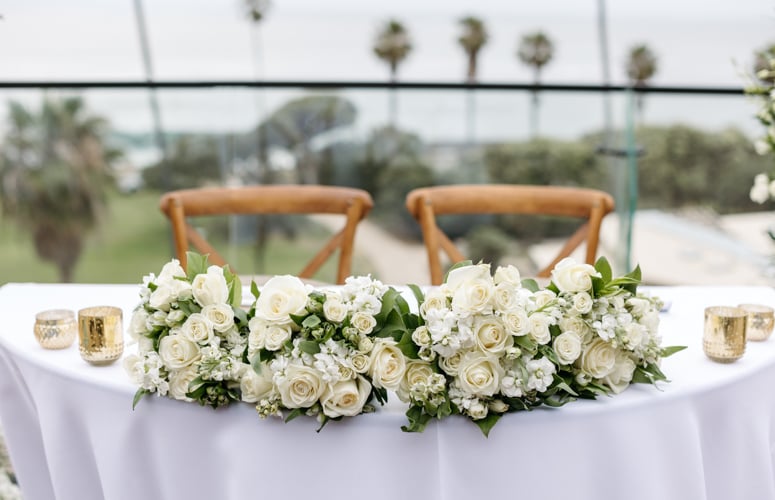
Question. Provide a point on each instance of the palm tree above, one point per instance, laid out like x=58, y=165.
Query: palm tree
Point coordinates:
x=472, y=40
x=53, y=177
x=393, y=45
x=535, y=50
x=641, y=67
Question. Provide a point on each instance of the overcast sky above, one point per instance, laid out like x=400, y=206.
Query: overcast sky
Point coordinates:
x=698, y=42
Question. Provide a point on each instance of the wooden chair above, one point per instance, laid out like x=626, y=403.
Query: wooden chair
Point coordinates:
x=426, y=203
x=354, y=204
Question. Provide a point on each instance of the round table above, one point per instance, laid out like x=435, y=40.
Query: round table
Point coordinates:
x=72, y=433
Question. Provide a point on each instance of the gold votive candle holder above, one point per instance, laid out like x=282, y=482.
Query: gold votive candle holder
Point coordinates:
x=724, y=334
x=761, y=320
x=55, y=328
x=101, y=335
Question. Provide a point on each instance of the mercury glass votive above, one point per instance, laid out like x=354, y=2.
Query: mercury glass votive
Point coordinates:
x=101, y=336
x=724, y=333
x=761, y=320
x=55, y=328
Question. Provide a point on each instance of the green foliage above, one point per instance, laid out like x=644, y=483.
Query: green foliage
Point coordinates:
x=193, y=162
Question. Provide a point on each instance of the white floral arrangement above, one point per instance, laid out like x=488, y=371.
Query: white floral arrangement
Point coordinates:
x=480, y=345
x=191, y=334
x=488, y=345
x=9, y=489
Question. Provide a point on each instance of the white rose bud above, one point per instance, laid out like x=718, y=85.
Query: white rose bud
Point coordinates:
x=582, y=302
x=434, y=300
x=365, y=345
x=498, y=406
x=275, y=336
x=509, y=275
x=360, y=362
x=421, y=336
x=346, y=398
x=334, y=310
x=464, y=275
x=178, y=352
x=172, y=270
x=175, y=317
x=539, y=328
x=210, y=288
x=364, y=322
x=477, y=410
x=161, y=298
x=138, y=325
x=417, y=372
x=451, y=364
x=571, y=276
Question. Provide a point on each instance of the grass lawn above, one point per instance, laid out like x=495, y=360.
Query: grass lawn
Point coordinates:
x=135, y=240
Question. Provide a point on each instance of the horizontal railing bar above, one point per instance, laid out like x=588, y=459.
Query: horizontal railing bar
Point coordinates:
x=409, y=85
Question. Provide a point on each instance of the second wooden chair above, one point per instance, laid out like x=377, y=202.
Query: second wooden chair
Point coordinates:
x=426, y=203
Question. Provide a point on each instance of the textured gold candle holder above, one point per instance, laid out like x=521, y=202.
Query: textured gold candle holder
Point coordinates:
x=55, y=328
x=101, y=336
x=725, y=332
x=761, y=319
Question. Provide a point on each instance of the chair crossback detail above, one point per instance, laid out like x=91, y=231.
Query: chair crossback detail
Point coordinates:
x=426, y=203
x=354, y=204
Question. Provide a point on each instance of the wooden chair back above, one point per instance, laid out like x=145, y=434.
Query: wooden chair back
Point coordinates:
x=426, y=203
x=354, y=204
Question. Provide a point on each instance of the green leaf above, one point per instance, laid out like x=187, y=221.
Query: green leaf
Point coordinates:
x=407, y=346
x=298, y=318
x=388, y=304
x=256, y=363
x=487, y=423
x=265, y=355
x=670, y=350
x=552, y=287
x=138, y=396
x=311, y=321
x=309, y=346
x=235, y=287
x=418, y=419
x=565, y=387
x=195, y=264
x=240, y=316
x=530, y=284
x=604, y=268
x=418, y=295
x=295, y=413
x=254, y=289
x=381, y=394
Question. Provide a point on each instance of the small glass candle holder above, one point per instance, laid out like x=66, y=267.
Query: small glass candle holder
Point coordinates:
x=55, y=328
x=761, y=320
x=724, y=333
x=101, y=336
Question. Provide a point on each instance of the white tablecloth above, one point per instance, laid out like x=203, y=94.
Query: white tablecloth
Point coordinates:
x=72, y=433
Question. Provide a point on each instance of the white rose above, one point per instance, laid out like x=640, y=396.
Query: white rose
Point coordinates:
x=638, y=306
x=221, y=316
x=578, y=325
x=508, y=275
x=421, y=336
x=281, y=297
x=334, y=309
x=516, y=322
x=161, y=298
x=505, y=296
x=179, y=382
x=571, y=276
x=479, y=374
x=473, y=297
x=175, y=317
x=387, y=365
x=360, y=362
x=434, y=300
x=365, y=344
x=498, y=406
x=178, y=352
x=172, y=270
x=301, y=387
x=364, y=322
x=417, y=372
x=621, y=375
x=464, y=275
x=138, y=325
x=275, y=336
x=539, y=328
x=134, y=366
x=598, y=359
x=582, y=302
x=144, y=344
x=477, y=410
x=256, y=335
x=543, y=298
x=255, y=387
x=451, y=364
x=197, y=328
x=345, y=398
x=158, y=318
x=567, y=346
x=211, y=287
x=490, y=335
